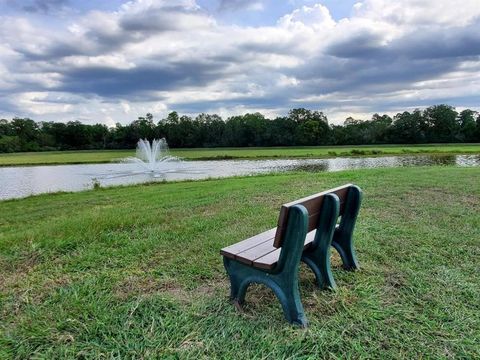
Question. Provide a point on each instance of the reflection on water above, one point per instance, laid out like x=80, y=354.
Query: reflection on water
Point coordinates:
x=337, y=164
x=18, y=182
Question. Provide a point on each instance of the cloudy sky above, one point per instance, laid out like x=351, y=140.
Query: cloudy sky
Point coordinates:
x=111, y=61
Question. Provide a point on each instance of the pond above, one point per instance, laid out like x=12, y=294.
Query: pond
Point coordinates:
x=17, y=182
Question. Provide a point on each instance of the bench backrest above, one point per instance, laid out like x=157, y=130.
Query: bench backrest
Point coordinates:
x=313, y=204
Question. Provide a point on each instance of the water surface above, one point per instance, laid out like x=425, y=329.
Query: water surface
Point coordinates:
x=17, y=182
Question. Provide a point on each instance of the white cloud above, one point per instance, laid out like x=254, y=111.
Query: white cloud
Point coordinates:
x=126, y=107
x=420, y=12
x=41, y=103
x=316, y=17
x=112, y=61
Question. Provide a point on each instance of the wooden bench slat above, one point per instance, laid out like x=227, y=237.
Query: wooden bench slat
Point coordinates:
x=268, y=261
x=266, y=258
x=250, y=255
x=312, y=221
x=232, y=250
x=313, y=204
x=342, y=190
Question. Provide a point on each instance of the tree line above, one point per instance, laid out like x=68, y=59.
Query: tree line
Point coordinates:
x=301, y=127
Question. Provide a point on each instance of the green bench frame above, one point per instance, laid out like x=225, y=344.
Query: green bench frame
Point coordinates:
x=307, y=228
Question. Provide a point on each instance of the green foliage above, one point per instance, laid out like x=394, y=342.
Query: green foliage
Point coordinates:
x=439, y=123
x=468, y=127
x=409, y=128
x=10, y=144
x=96, y=184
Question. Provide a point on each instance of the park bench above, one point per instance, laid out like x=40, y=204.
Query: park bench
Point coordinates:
x=306, y=230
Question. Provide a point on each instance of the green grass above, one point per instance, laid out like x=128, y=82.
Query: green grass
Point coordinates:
x=135, y=272
x=102, y=156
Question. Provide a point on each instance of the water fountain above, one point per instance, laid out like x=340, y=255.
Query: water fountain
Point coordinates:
x=150, y=156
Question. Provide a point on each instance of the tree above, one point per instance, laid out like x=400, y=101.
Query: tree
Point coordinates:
x=301, y=115
x=408, y=128
x=280, y=132
x=5, y=128
x=27, y=132
x=477, y=131
x=312, y=127
x=255, y=129
x=308, y=133
x=99, y=136
x=9, y=144
x=379, y=128
x=466, y=120
x=354, y=131
x=442, y=125
x=234, y=134
x=181, y=131
x=143, y=128
x=211, y=128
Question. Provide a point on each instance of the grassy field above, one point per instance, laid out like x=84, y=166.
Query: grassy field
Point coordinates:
x=135, y=272
x=102, y=156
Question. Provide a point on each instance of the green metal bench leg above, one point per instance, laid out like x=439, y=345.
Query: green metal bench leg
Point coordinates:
x=322, y=271
x=318, y=256
x=283, y=279
x=235, y=281
x=343, y=237
x=292, y=305
x=287, y=293
x=345, y=249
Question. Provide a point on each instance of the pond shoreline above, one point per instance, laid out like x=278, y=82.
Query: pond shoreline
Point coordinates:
x=24, y=181
x=351, y=154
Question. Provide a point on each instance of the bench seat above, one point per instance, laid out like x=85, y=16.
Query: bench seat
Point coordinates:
x=258, y=251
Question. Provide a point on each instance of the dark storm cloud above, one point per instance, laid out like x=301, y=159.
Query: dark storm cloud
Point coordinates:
x=55, y=51
x=165, y=18
x=328, y=74
x=371, y=104
x=432, y=43
x=270, y=101
x=38, y=6
x=94, y=42
x=362, y=63
x=366, y=84
x=109, y=82
x=437, y=43
x=7, y=107
x=133, y=27
x=358, y=45
x=236, y=4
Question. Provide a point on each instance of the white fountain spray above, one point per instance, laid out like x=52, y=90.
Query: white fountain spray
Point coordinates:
x=151, y=155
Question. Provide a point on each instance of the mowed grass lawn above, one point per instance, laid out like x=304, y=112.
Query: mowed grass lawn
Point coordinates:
x=103, y=156
x=135, y=272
